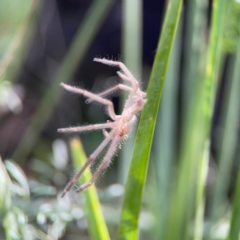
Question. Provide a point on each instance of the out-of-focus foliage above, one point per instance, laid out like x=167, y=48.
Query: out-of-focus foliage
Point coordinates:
x=9, y=100
x=30, y=209
x=12, y=15
x=231, y=27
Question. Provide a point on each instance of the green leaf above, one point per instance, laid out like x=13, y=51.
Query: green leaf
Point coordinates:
x=139, y=165
x=97, y=226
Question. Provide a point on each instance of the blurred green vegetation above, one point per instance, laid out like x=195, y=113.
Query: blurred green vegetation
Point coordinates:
x=184, y=179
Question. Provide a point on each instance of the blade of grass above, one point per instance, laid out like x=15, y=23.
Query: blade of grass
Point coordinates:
x=214, y=60
x=165, y=138
x=209, y=95
x=200, y=194
x=128, y=228
x=194, y=142
x=194, y=46
x=132, y=57
x=229, y=138
x=97, y=226
x=194, y=65
x=213, y=68
x=235, y=219
x=184, y=191
x=93, y=20
x=132, y=35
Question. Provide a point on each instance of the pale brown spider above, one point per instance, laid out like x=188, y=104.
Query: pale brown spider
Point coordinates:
x=119, y=127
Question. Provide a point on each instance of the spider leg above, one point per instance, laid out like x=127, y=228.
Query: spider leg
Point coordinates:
x=105, y=132
x=110, y=90
x=86, y=128
x=93, y=97
x=130, y=77
x=102, y=166
x=88, y=162
x=122, y=76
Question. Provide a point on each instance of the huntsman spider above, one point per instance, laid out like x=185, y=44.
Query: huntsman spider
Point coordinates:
x=120, y=125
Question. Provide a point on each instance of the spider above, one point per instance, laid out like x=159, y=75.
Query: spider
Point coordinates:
x=120, y=125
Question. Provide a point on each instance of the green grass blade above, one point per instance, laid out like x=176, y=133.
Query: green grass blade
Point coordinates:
x=165, y=139
x=213, y=67
x=229, y=142
x=97, y=226
x=95, y=16
x=195, y=141
x=200, y=194
x=132, y=57
x=184, y=191
x=128, y=228
x=194, y=46
x=132, y=35
x=214, y=57
x=235, y=219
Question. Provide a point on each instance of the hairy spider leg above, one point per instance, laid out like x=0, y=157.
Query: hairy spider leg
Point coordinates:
x=113, y=89
x=105, y=132
x=94, y=97
x=102, y=166
x=123, y=77
x=130, y=77
x=91, y=158
x=92, y=127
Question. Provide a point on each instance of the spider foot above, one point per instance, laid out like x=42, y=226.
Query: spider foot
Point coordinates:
x=84, y=186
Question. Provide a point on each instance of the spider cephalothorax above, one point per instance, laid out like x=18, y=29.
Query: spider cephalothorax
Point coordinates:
x=118, y=128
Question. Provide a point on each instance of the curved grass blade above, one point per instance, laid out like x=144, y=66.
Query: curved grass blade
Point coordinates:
x=128, y=228
x=97, y=226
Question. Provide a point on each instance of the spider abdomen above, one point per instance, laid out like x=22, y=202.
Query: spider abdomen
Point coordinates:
x=123, y=132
